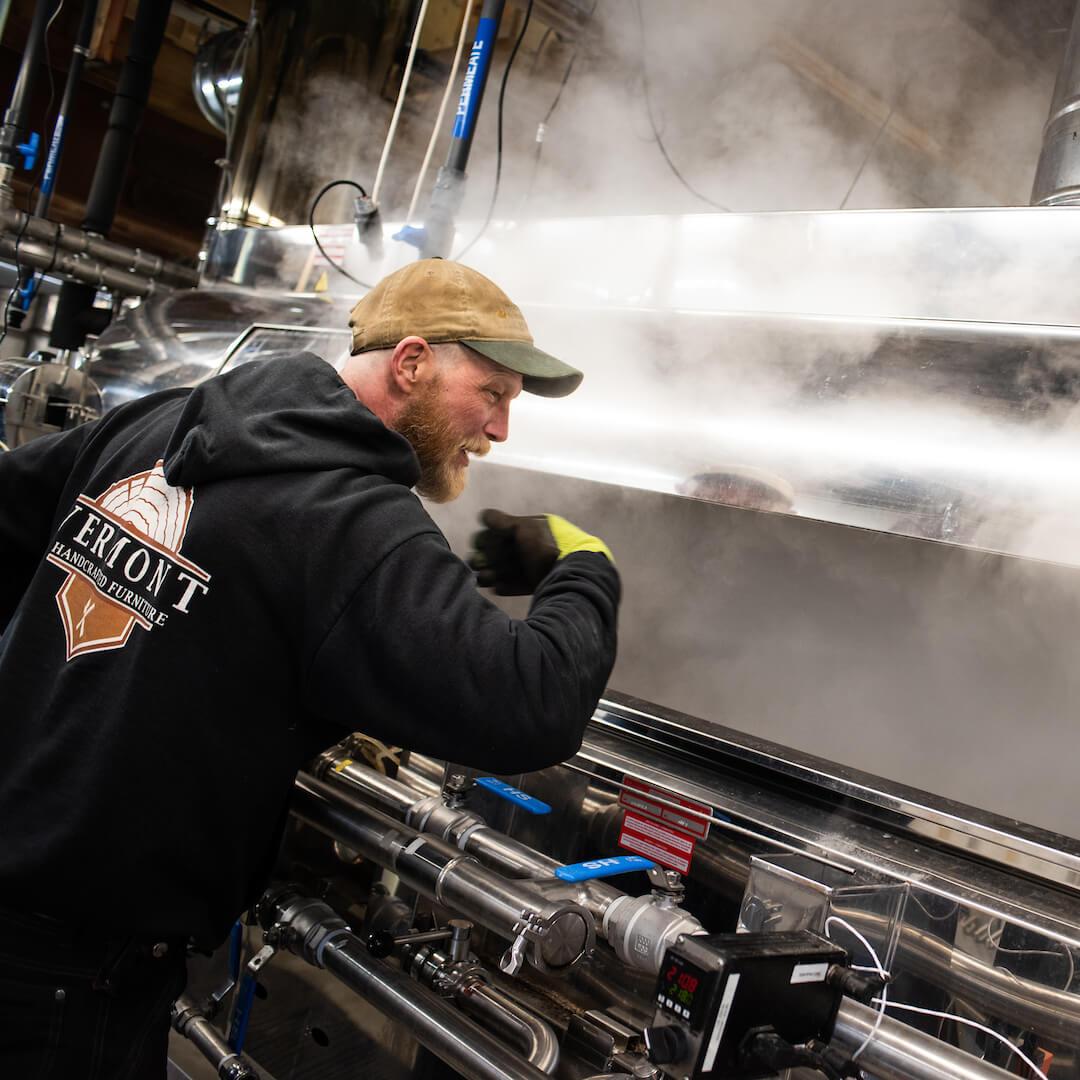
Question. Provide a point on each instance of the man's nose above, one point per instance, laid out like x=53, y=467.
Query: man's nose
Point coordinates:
x=497, y=429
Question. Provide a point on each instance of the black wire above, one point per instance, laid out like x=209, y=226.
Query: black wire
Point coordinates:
x=555, y=104
x=656, y=132
x=46, y=142
x=499, y=142
x=315, y=235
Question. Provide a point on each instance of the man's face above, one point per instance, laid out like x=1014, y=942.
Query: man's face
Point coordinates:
x=460, y=408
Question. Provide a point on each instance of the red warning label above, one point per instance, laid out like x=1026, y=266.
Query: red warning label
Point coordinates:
x=661, y=825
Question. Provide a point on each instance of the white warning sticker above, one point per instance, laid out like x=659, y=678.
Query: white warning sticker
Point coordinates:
x=809, y=973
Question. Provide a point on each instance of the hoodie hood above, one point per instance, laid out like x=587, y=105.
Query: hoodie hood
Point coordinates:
x=291, y=414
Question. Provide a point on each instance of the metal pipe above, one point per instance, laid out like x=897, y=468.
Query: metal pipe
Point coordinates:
x=1052, y=1014
x=68, y=238
x=190, y=1022
x=449, y=189
x=900, y=1052
x=497, y=1010
x=66, y=264
x=79, y=52
x=507, y=1018
x=460, y=1042
x=1057, y=175
x=624, y=921
x=426, y=812
x=553, y=933
x=473, y=85
x=14, y=129
x=73, y=319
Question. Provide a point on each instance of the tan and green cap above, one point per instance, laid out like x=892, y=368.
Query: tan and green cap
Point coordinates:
x=440, y=301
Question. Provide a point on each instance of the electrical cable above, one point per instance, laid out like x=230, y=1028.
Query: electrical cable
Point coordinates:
x=37, y=180
x=1064, y=954
x=315, y=236
x=877, y=967
x=656, y=131
x=1007, y=1043
x=499, y=137
x=930, y=915
x=442, y=110
x=541, y=128
x=398, y=105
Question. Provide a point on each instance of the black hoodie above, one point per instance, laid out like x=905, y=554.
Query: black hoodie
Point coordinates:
x=205, y=587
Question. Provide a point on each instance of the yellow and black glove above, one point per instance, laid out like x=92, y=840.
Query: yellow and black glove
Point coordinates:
x=514, y=554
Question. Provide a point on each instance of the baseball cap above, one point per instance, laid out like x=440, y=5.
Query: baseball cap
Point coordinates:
x=442, y=301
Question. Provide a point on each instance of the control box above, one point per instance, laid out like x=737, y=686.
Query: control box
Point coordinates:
x=716, y=990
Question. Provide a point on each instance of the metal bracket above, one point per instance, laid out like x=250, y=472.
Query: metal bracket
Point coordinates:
x=528, y=930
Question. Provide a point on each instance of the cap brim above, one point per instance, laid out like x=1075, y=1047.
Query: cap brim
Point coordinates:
x=543, y=373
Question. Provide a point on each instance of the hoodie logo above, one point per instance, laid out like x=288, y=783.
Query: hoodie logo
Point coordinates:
x=121, y=553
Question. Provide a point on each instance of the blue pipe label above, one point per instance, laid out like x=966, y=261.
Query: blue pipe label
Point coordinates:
x=479, y=58
x=513, y=794
x=600, y=868
x=49, y=176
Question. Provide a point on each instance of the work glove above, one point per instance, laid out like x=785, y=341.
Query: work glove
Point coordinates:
x=514, y=554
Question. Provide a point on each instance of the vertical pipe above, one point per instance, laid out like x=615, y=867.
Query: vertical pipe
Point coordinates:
x=56, y=144
x=74, y=317
x=449, y=190
x=14, y=129
x=1057, y=176
x=132, y=93
x=27, y=280
x=472, y=88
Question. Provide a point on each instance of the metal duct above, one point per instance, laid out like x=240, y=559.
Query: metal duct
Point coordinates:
x=319, y=67
x=1057, y=176
x=215, y=80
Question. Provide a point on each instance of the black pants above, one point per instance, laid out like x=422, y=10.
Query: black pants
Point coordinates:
x=73, y=1009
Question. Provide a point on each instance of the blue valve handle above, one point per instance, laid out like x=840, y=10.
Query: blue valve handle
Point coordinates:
x=599, y=868
x=513, y=794
x=411, y=234
x=29, y=150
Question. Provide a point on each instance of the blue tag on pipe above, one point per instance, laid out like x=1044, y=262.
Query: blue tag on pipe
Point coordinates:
x=479, y=58
x=598, y=868
x=512, y=794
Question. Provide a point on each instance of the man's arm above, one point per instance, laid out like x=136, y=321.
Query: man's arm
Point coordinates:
x=31, y=481
x=419, y=658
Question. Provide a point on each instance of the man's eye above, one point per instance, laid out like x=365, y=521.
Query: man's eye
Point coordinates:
x=494, y=395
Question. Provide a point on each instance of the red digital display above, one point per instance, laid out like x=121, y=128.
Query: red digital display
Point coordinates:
x=681, y=984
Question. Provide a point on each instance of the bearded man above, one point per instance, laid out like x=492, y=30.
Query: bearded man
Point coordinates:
x=206, y=587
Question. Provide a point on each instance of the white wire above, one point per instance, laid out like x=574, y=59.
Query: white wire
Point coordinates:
x=1065, y=953
x=877, y=966
x=399, y=104
x=450, y=84
x=970, y=1023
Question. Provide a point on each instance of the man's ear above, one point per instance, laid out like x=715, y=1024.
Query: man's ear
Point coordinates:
x=410, y=363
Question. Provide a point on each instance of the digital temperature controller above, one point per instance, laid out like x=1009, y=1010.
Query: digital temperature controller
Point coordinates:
x=682, y=987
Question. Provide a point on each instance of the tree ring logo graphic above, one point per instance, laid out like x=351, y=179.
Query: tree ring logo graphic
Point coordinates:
x=121, y=554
